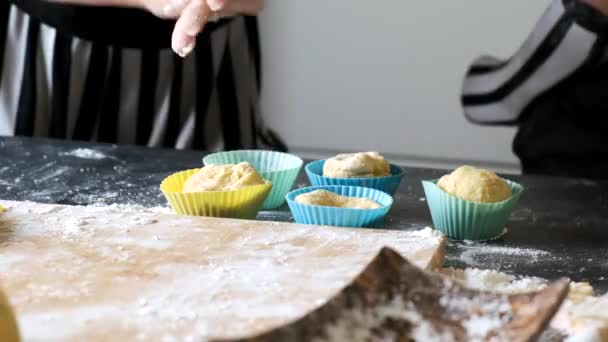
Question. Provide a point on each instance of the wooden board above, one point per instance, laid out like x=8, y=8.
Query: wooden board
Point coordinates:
x=124, y=273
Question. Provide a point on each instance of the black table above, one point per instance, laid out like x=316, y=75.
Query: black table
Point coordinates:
x=560, y=227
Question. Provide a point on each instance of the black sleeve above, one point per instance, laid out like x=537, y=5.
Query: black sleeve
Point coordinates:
x=570, y=38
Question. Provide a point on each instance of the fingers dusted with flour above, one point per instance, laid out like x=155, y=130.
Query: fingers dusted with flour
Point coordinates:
x=216, y=5
x=191, y=15
x=189, y=25
x=198, y=12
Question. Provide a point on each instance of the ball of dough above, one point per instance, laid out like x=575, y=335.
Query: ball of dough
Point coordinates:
x=329, y=199
x=223, y=178
x=476, y=185
x=357, y=165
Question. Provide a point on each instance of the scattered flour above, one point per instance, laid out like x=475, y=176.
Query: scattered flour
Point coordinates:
x=490, y=280
x=76, y=226
x=476, y=255
x=582, y=317
x=363, y=324
x=85, y=153
x=53, y=174
x=503, y=233
x=143, y=220
x=129, y=208
x=479, y=316
x=73, y=222
x=478, y=327
x=483, y=314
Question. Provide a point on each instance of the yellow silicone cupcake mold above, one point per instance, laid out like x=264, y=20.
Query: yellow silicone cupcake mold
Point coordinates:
x=243, y=203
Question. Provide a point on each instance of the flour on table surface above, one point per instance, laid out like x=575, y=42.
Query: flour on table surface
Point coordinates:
x=85, y=153
x=481, y=254
x=82, y=182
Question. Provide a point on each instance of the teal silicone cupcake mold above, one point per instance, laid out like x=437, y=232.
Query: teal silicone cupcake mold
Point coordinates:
x=341, y=217
x=465, y=220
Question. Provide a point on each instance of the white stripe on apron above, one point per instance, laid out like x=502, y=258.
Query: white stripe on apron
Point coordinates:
x=12, y=70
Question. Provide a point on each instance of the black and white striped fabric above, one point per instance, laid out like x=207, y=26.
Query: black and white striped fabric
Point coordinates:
x=64, y=76
x=570, y=38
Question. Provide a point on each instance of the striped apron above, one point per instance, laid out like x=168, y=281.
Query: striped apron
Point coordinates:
x=109, y=75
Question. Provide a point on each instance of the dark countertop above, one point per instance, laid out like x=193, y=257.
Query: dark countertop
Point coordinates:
x=560, y=227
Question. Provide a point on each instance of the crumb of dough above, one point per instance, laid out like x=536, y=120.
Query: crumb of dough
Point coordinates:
x=580, y=291
x=357, y=165
x=223, y=178
x=476, y=185
x=329, y=199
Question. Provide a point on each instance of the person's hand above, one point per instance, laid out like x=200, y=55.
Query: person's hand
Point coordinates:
x=194, y=14
x=191, y=15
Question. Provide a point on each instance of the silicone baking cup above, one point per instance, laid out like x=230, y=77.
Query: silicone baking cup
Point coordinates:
x=388, y=184
x=341, y=217
x=243, y=203
x=465, y=220
x=281, y=169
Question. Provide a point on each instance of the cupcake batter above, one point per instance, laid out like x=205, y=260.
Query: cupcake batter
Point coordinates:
x=326, y=198
x=476, y=185
x=223, y=178
x=357, y=165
